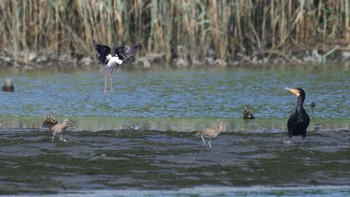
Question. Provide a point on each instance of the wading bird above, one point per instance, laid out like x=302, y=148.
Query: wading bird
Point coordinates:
x=112, y=61
x=247, y=115
x=299, y=120
x=58, y=129
x=8, y=86
x=210, y=133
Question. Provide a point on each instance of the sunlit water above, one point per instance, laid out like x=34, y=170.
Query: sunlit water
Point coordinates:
x=138, y=141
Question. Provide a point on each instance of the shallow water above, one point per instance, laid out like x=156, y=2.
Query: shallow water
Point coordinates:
x=185, y=93
x=138, y=139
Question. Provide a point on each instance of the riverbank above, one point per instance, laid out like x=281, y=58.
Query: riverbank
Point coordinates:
x=44, y=61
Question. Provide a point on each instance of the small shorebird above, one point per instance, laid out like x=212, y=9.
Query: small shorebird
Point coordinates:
x=210, y=133
x=247, y=114
x=8, y=86
x=112, y=61
x=58, y=129
x=49, y=121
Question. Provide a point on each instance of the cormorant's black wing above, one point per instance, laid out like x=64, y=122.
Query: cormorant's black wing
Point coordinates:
x=297, y=124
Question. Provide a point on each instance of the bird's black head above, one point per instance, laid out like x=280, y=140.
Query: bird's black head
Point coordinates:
x=299, y=92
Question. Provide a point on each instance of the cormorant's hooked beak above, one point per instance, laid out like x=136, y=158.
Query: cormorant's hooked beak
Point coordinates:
x=293, y=90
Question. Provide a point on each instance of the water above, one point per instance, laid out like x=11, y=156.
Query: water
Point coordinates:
x=138, y=139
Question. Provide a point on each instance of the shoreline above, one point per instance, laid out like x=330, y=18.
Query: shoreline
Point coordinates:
x=263, y=59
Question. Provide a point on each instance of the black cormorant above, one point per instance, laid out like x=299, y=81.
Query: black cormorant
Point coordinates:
x=299, y=120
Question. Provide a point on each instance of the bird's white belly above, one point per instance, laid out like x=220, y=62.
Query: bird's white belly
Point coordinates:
x=114, y=60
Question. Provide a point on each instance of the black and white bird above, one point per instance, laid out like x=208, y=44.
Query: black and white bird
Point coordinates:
x=112, y=61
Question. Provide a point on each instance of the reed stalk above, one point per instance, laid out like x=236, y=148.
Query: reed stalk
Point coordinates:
x=189, y=29
x=347, y=19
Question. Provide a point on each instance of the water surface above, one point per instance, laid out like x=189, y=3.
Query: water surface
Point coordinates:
x=185, y=93
x=138, y=139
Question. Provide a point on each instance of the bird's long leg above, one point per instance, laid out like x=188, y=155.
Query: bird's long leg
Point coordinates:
x=110, y=78
x=203, y=139
x=53, y=136
x=105, y=85
x=62, y=138
x=209, y=142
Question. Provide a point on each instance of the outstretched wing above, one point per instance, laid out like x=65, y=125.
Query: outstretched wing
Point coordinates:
x=124, y=52
x=103, y=51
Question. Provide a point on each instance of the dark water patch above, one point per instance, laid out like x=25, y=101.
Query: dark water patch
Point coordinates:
x=151, y=159
x=223, y=191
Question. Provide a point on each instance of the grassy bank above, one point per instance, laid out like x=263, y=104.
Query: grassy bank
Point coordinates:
x=178, y=29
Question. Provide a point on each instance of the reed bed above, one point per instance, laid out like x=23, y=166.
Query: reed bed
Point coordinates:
x=188, y=29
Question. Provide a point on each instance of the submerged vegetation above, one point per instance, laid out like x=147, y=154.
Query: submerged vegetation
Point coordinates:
x=178, y=32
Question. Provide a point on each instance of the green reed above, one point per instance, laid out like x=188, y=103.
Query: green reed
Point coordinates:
x=190, y=29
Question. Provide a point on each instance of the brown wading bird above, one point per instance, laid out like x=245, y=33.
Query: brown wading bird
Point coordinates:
x=210, y=133
x=112, y=61
x=247, y=115
x=299, y=120
x=49, y=121
x=8, y=86
x=58, y=129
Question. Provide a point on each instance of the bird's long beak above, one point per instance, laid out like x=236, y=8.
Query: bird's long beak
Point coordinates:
x=70, y=120
x=294, y=91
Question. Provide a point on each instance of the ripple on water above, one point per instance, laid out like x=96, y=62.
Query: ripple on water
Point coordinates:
x=158, y=160
x=196, y=93
x=139, y=139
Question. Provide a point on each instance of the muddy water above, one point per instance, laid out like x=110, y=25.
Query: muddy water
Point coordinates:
x=138, y=139
x=168, y=160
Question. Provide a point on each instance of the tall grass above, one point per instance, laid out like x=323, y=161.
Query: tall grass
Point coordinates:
x=192, y=29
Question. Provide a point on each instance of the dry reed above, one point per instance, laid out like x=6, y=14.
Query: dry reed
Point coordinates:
x=218, y=28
